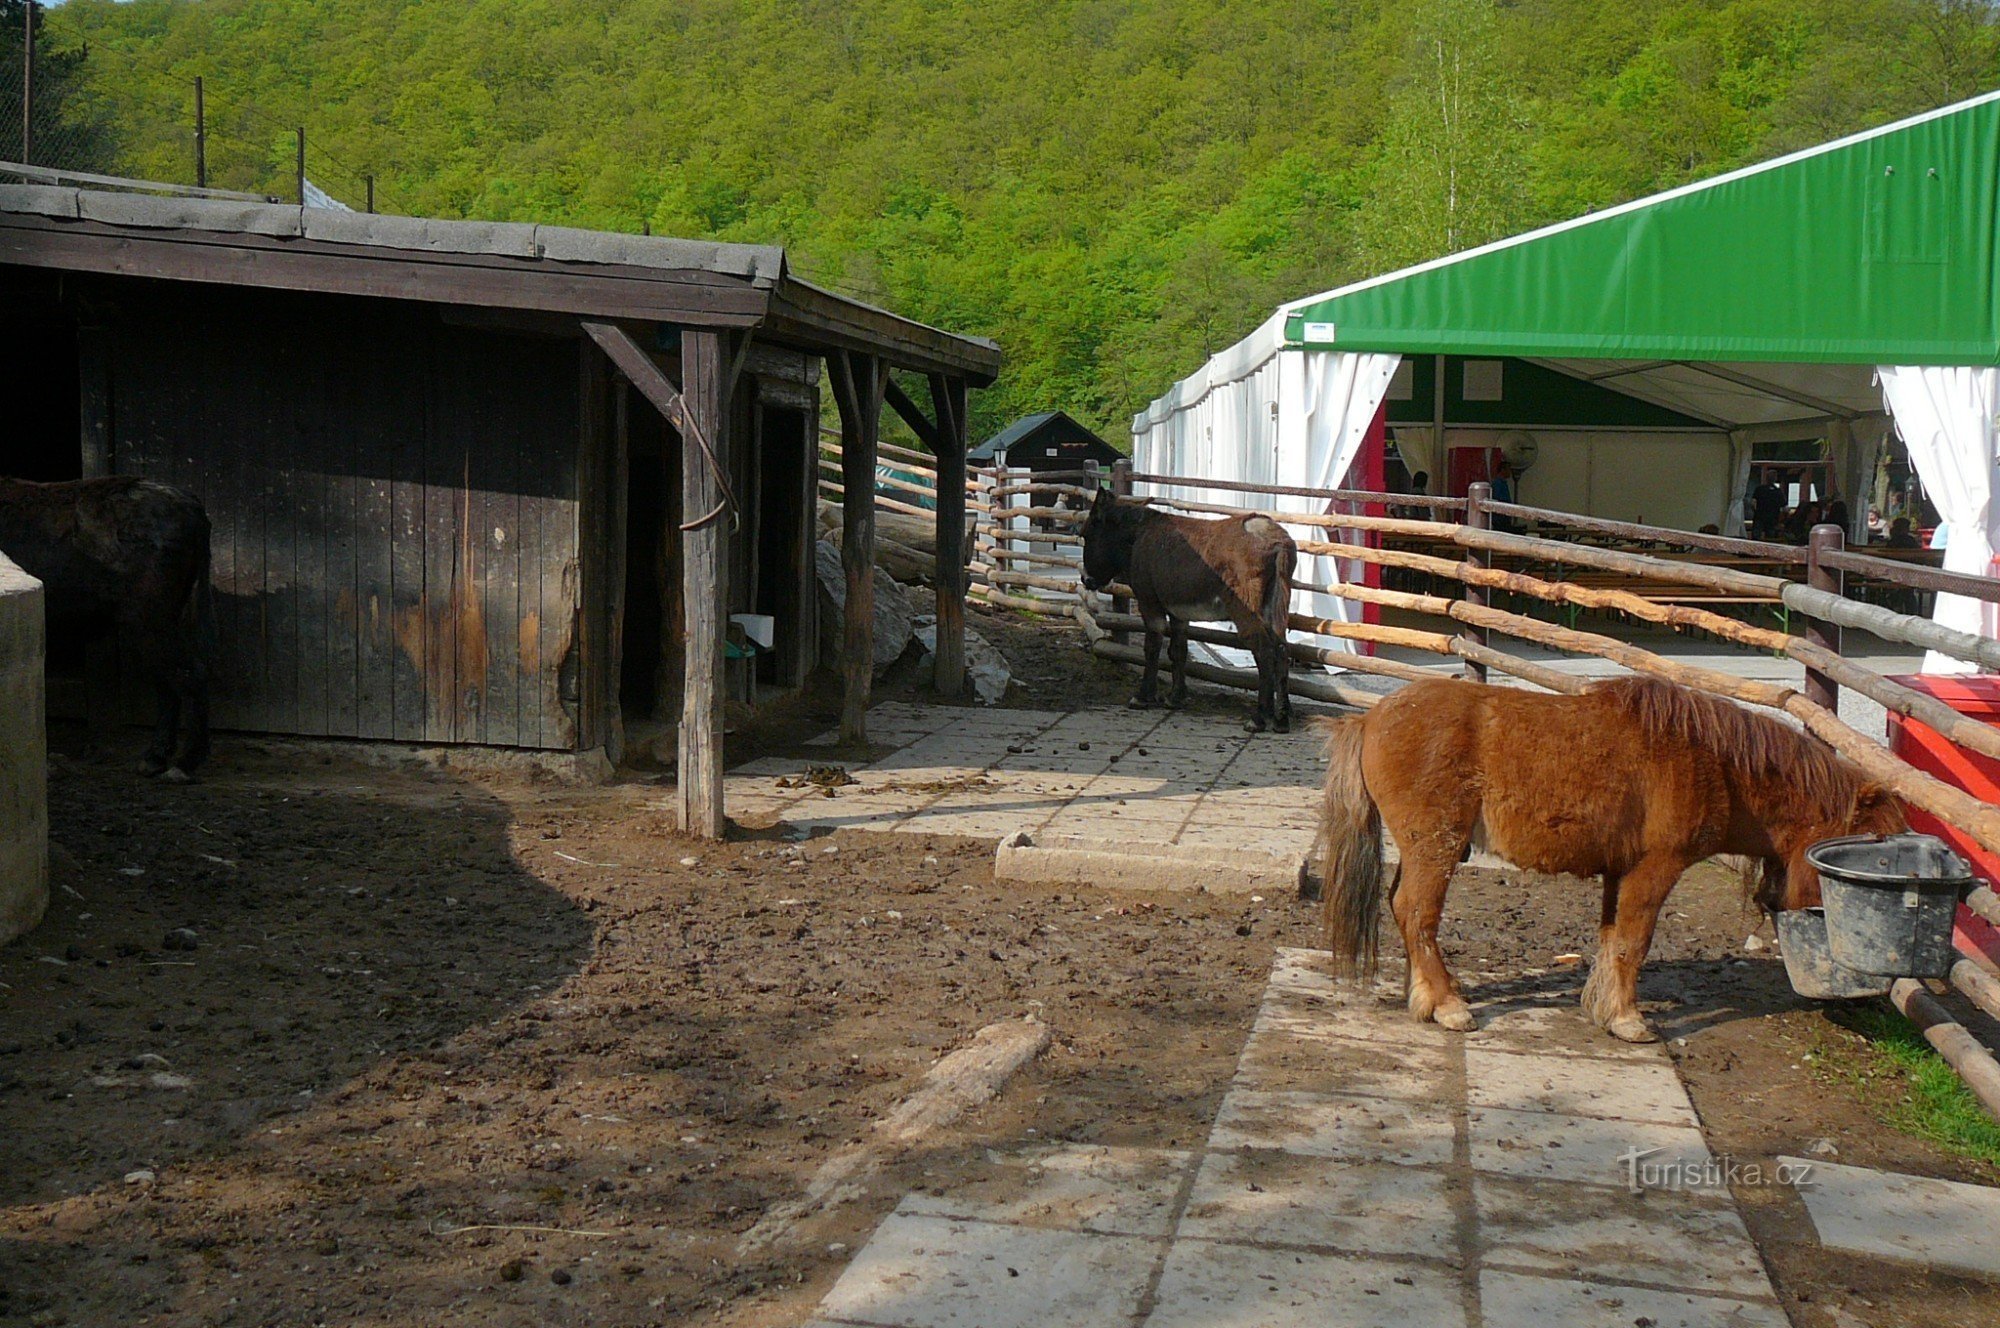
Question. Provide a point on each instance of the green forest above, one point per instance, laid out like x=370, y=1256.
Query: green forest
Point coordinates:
x=1112, y=189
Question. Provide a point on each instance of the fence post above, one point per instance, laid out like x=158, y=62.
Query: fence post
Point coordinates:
x=1121, y=487
x=28, y=85
x=1820, y=689
x=200, y=136
x=1476, y=516
x=302, y=165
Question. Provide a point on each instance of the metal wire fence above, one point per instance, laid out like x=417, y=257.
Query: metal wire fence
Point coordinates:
x=64, y=130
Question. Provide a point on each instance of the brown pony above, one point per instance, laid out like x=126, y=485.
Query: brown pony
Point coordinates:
x=1634, y=780
x=1185, y=569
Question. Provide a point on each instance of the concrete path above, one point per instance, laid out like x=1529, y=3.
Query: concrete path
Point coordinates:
x=1886, y=1215
x=1106, y=776
x=1363, y=1170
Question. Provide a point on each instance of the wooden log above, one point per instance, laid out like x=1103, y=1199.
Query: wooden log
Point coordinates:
x=1984, y=903
x=1060, y=490
x=1067, y=585
x=1000, y=599
x=858, y=389
x=1725, y=579
x=1303, y=650
x=833, y=466
x=1554, y=680
x=1783, y=553
x=1928, y=710
x=1962, y=1051
x=1893, y=626
x=1295, y=491
x=987, y=548
x=704, y=589
x=1977, y=985
x=948, y=405
x=1389, y=525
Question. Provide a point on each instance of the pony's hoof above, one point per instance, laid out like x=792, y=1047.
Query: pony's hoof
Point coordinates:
x=1282, y=725
x=1631, y=1028
x=173, y=774
x=1141, y=703
x=1254, y=724
x=1454, y=1017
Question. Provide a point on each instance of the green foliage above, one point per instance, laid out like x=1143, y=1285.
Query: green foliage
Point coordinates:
x=1934, y=1103
x=1111, y=188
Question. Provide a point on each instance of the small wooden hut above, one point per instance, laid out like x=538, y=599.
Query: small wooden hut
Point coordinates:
x=475, y=483
x=1050, y=440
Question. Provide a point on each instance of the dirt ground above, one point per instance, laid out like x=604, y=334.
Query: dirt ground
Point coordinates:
x=477, y=1049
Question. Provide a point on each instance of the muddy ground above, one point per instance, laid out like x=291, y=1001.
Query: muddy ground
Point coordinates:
x=456, y=1049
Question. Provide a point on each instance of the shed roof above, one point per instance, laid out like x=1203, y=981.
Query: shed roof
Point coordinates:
x=511, y=265
x=1051, y=426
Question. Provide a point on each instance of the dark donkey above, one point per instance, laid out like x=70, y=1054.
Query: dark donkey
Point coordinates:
x=1185, y=569
x=128, y=555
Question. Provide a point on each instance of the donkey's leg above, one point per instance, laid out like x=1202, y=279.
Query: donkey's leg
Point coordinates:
x=1149, y=681
x=1177, y=654
x=1418, y=904
x=1281, y=688
x=1611, y=996
x=166, y=723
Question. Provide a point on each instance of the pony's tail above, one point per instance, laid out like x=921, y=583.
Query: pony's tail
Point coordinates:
x=1277, y=606
x=1350, y=846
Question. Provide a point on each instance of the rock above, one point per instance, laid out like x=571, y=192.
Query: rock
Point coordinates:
x=143, y=1176
x=560, y=1277
x=985, y=666
x=149, y=1060
x=894, y=614
x=512, y=1270
x=1754, y=944
x=1823, y=1148
x=181, y=938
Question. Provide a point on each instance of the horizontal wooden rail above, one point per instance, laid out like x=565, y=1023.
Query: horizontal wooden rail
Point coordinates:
x=1781, y=553
x=1893, y=626
x=1915, y=575
x=1299, y=491
x=1962, y=1051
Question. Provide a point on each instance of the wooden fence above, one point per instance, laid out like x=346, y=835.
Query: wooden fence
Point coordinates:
x=1026, y=556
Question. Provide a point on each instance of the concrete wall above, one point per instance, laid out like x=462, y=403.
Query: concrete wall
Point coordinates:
x=24, y=756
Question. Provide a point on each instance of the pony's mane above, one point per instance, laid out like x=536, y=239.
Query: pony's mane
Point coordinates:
x=1761, y=751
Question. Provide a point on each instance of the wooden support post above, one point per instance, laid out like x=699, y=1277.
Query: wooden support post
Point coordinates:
x=1476, y=516
x=1121, y=487
x=859, y=383
x=1821, y=689
x=704, y=588
x=948, y=409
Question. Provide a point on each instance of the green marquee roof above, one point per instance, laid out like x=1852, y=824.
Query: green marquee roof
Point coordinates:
x=1874, y=249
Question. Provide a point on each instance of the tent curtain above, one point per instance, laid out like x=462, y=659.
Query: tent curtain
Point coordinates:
x=1945, y=415
x=1741, y=449
x=1419, y=447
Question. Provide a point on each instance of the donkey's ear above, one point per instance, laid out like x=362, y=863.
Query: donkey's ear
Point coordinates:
x=1104, y=501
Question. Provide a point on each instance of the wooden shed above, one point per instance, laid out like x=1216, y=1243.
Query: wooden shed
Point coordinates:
x=1048, y=440
x=474, y=483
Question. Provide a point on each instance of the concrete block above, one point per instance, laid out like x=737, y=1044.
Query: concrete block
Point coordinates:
x=1635, y=1091
x=1140, y=862
x=1325, y=1125
x=1273, y=1198
x=24, y=755
x=40, y=200
x=1279, y=1060
x=1882, y=1213
x=1581, y=1148
x=1205, y=1285
x=934, y=1272
x=1073, y=1187
x=1552, y=1030
x=1510, y=1300
x=1655, y=1236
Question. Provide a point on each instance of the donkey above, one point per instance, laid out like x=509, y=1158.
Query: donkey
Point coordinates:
x=1186, y=569
x=1635, y=780
x=127, y=555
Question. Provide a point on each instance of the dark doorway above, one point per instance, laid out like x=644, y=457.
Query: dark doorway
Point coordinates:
x=649, y=670
x=38, y=345
x=785, y=545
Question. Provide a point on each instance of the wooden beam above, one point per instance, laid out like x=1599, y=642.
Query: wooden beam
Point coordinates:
x=948, y=403
x=859, y=381
x=899, y=401
x=704, y=576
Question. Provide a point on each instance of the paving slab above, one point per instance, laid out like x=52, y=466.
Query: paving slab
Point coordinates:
x=1074, y=1187
x=1945, y=1224
x=937, y=1272
x=1291, y=1059
x=1359, y=1129
x=1558, y=1030
x=1270, y=1197
x=1592, y=1151
x=1567, y=1085
x=1206, y=1285
x=1137, y=855
x=1510, y=1300
x=1657, y=1236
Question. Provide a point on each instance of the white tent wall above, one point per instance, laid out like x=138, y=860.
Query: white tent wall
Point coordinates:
x=1946, y=416
x=1261, y=414
x=1677, y=478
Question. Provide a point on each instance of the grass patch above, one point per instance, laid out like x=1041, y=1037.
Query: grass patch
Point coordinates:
x=1909, y=1086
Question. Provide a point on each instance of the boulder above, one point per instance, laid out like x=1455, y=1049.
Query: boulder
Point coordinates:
x=895, y=615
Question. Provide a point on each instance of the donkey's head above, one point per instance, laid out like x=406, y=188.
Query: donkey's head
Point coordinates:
x=1108, y=535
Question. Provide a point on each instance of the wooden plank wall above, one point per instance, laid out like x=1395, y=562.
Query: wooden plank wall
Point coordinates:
x=394, y=504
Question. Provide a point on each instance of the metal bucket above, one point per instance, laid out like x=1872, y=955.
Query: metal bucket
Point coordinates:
x=1889, y=902
x=1810, y=964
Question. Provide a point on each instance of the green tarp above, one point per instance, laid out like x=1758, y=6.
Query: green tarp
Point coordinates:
x=1876, y=249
